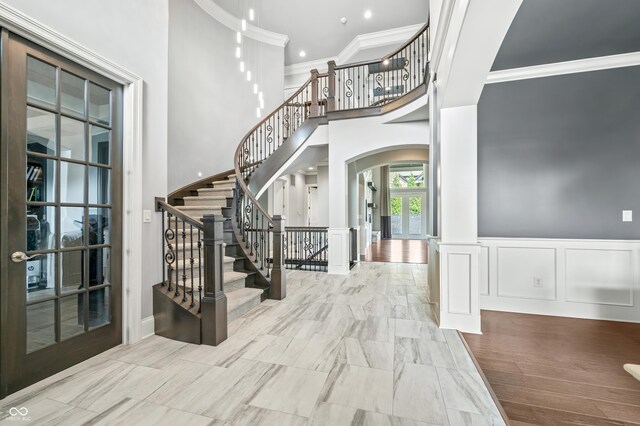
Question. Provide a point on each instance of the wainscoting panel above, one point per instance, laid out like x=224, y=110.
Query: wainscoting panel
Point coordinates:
x=595, y=279
x=484, y=271
x=459, y=273
x=528, y=273
x=600, y=276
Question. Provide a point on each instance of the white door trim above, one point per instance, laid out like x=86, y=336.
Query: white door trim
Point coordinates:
x=19, y=23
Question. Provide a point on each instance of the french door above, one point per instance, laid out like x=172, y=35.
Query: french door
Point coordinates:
x=60, y=216
x=408, y=214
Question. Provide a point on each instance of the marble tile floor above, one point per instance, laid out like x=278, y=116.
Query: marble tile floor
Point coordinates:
x=360, y=349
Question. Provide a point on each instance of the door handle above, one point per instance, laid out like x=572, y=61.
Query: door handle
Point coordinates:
x=19, y=256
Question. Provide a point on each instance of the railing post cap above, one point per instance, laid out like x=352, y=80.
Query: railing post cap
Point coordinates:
x=279, y=217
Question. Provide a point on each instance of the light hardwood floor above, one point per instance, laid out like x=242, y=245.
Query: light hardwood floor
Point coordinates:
x=360, y=349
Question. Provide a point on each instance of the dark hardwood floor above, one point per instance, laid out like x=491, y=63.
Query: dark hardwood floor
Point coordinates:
x=398, y=251
x=560, y=371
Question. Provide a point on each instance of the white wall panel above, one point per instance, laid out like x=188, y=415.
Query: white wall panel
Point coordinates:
x=597, y=279
x=600, y=276
x=519, y=268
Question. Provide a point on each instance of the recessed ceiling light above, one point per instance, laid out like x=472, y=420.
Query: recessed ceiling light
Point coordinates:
x=367, y=14
x=303, y=53
x=310, y=168
x=343, y=21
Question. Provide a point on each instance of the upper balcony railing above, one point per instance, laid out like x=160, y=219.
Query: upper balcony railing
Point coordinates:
x=375, y=83
x=364, y=85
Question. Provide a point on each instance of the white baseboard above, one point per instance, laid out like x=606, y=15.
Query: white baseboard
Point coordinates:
x=147, y=327
x=593, y=279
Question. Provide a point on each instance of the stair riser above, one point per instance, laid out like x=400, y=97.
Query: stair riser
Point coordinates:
x=228, y=193
x=223, y=202
x=226, y=186
x=243, y=309
x=234, y=285
x=199, y=213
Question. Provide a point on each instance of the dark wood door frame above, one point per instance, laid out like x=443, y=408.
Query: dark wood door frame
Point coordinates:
x=17, y=368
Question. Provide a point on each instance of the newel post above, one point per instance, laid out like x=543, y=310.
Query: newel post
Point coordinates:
x=214, y=301
x=315, y=109
x=331, y=99
x=279, y=272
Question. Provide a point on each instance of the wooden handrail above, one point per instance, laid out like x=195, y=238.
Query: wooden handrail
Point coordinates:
x=180, y=215
x=238, y=154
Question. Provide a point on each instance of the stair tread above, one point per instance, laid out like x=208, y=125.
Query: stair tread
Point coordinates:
x=182, y=208
x=213, y=190
x=205, y=197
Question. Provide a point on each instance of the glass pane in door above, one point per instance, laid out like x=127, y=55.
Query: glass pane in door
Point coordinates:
x=41, y=321
x=415, y=215
x=41, y=83
x=396, y=215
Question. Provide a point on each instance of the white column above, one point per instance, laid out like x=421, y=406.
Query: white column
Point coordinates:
x=458, y=248
x=338, y=215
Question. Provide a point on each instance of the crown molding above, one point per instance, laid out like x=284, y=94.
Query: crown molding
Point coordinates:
x=359, y=43
x=562, y=68
x=233, y=23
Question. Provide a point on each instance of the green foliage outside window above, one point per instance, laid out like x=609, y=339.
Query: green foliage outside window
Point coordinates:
x=396, y=206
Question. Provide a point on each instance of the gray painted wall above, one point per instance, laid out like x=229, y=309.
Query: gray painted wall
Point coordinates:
x=559, y=157
x=548, y=31
x=211, y=105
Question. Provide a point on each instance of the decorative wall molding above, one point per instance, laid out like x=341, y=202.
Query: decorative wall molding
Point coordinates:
x=562, y=68
x=233, y=23
x=360, y=42
x=21, y=24
x=596, y=279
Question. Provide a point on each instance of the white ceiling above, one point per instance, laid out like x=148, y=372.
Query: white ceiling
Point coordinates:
x=315, y=26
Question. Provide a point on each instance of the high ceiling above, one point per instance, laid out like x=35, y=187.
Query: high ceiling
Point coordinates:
x=315, y=27
x=549, y=31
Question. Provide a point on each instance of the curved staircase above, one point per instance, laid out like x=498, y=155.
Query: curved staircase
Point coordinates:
x=223, y=253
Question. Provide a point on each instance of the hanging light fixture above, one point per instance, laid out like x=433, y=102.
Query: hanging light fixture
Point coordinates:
x=262, y=103
x=244, y=25
x=241, y=66
x=239, y=37
x=258, y=112
x=255, y=88
x=248, y=75
x=251, y=14
x=260, y=96
x=238, y=52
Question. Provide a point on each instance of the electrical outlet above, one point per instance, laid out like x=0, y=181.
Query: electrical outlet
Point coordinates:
x=537, y=282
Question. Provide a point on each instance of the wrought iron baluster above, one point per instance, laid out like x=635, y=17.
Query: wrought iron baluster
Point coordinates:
x=270, y=251
x=164, y=249
x=170, y=256
x=199, y=271
x=177, y=292
x=184, y=262
x=193, y=303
